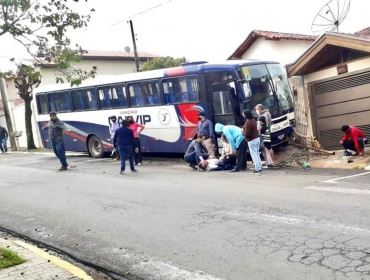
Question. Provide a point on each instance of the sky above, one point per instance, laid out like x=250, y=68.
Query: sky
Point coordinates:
x=197, y=29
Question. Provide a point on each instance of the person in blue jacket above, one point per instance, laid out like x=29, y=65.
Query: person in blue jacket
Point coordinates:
x=236, y=140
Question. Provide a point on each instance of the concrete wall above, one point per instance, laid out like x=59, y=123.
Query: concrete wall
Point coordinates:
x=283, y=51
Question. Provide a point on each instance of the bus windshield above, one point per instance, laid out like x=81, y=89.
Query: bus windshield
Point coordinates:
x=281, y=87
x=269, y=87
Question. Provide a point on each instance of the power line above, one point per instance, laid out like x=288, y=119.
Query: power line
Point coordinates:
x=143, y=12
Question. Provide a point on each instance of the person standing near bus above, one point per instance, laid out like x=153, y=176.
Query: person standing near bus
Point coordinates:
x=56, y=137
x=206, y=134
x=3, y=136
x=253, y=139
x=136, y=129
x=124, y=140
x=262, y=112
x=113, y=126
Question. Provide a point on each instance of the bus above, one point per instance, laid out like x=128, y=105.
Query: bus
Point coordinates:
x=167, y=102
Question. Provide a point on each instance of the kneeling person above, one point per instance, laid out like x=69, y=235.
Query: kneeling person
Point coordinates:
x=195, y=153
x=353, y=140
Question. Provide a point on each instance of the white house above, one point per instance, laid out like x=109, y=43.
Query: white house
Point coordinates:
x=331, y=86
x=276, y=46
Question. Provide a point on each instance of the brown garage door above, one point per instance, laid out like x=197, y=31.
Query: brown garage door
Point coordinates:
x=338, y=102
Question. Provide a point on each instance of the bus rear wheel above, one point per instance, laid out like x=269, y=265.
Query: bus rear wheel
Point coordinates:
x=95, y=147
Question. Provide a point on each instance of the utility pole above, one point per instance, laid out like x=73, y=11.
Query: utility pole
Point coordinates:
x=134, y=44
x=8, y=118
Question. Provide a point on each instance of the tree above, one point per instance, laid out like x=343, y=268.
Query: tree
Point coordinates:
x=41, y=27
x=26, y=78
x=163, y=62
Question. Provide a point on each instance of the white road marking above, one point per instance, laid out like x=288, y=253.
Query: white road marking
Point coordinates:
x=338, y=190
x=297, y=220
x=341, y=178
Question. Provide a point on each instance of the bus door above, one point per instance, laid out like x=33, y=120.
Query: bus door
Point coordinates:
x=223, y=101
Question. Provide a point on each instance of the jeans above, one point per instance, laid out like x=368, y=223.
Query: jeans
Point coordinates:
x=126, y=151
x=3, y=145
x=60, y=152
x=192, y=158
x=254, y=150
x=350, y=145
x=137, y=145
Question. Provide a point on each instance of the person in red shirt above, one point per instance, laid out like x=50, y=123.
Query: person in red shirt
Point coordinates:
x=353, y=139
x=136, y=129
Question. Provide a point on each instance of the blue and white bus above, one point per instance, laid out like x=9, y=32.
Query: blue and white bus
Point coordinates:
x=167, y=102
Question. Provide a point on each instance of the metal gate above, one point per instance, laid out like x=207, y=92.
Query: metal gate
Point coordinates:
x=341, y=101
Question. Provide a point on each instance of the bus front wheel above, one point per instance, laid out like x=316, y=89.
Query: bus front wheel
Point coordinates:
x=95, y=147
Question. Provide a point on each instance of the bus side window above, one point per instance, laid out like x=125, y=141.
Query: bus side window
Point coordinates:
x=181, y=90
x=151, y=91
x=60, y=102
x=137, y=97
x=119, y=96
x=105, y=97
x=84, y=99
x=42, y=104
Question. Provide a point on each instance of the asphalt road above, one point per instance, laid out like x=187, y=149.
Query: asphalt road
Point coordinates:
x=169, y=222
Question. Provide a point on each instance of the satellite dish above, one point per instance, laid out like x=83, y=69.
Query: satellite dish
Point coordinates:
x=330, y=16
x=127, y=49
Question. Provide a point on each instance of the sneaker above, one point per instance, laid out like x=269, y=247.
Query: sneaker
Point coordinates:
x=122, y=172
x=134, y=170
x=63, y=168
x=257, y=171
x=139, y=163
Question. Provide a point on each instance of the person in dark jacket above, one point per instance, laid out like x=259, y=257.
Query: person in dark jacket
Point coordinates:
x=254, y=141
x=124, y=140
x=195, y=153
x=206, y=134
x=56, y=137
x=3, y=136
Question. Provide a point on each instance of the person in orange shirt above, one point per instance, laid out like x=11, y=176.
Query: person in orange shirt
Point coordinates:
x=354, y=139
x=136, y=129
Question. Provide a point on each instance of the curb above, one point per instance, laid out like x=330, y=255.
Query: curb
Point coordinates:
x=72, y=269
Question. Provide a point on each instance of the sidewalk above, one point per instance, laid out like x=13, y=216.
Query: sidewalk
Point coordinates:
x=38, y=265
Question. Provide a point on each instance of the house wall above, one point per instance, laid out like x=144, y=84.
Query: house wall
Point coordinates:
x=103, y=67
x=283, y=51
x=325, y=74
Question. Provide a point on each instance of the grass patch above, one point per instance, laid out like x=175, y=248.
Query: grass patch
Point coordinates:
x=9, y=258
